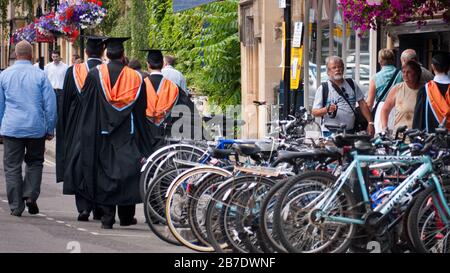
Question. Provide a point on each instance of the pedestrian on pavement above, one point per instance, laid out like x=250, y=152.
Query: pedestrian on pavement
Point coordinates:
x=136, y=65
x=411, y=55
x=172, y=74
x=115, y=139
x=403, y=98
x=160, y=104
x=335, y=100
x=433, y=99
x=27, y=119
x=56, y=72
x=380, y=86
x=68, y=137
x=75, y=58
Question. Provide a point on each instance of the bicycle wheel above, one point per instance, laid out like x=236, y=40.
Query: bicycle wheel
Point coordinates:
x=270, y=241
x=177, y=204
x=158, y=156
x=233, y=212
x=155, y=200
x=427, y=229
x=197, y=205
x=153, y=220
x=293, y=223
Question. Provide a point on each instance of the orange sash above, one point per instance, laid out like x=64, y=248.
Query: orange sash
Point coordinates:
x=439, y=104
x=126, y=89
x=80, y=72
x=160, y=104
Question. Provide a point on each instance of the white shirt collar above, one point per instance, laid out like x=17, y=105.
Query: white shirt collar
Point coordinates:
x=97, y=59
x=156, y=73
x=444, y=79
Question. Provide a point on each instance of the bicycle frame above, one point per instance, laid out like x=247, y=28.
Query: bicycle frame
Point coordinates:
x=425, y=169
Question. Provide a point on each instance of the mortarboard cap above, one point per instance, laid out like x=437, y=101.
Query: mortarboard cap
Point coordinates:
x=93, y=43
x=116, y=43
x=154, y=56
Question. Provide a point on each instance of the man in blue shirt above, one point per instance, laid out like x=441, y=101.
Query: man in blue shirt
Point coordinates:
x=27, y=119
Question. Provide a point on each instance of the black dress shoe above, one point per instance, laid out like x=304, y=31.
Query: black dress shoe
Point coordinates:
x=16, y=213
x=84, y=216
x=32, y=208
x=128, y=223
x=107, y=227
x=97, y=214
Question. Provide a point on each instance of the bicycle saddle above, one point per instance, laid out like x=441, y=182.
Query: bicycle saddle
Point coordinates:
x=220, y=153
x=267, y=147
x=315, y=154
x=246, y=149
x=364, y=146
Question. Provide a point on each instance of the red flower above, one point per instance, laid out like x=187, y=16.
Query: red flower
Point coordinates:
x=100, y=3
x=61, y=18
x=67, y=29
x=69, y=12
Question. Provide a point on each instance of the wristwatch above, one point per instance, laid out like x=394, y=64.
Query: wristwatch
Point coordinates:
x=372, y=123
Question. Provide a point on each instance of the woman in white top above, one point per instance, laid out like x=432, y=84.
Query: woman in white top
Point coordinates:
x=403, y=97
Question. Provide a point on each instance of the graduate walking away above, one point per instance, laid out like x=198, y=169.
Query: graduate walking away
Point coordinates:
x=27, y=119
x=68, y=138
x=162, y=96
x=433, y=100
x=115, y=139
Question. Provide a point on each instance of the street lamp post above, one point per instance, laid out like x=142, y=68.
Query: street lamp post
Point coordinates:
x=41, y=59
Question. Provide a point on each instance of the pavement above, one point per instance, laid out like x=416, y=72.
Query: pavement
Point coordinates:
x=56, y=229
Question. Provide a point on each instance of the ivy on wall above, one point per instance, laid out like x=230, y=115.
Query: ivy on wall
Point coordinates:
x=206, y=43
x=204, y=40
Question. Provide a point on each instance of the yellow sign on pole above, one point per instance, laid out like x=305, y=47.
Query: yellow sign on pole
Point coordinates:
x=296, y=66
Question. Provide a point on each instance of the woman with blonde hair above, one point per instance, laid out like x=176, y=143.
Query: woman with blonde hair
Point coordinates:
x=381, y=83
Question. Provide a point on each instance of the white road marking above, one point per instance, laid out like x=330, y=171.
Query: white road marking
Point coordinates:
x=67, y=225
x=42, y=215
x=50, y=219
x=81, y=229
x=60, y=222
x=94, y=233
x=4, y=201
x=121, y=235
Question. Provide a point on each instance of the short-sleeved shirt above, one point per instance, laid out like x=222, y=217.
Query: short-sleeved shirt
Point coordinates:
x=344, y=113
x=382, y=79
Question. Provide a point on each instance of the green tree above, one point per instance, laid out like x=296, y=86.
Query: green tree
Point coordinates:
x=205, y=40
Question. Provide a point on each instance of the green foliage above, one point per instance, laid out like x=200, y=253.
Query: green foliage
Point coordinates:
x=205, y=41
x=129, y=20
x=3, y=11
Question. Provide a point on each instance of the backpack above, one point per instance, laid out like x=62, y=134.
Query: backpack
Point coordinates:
x=360, y=121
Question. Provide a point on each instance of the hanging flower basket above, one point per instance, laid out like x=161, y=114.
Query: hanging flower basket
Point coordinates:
x=27, y=33
x=81, y=14
x=66, y=22
x=367, y=14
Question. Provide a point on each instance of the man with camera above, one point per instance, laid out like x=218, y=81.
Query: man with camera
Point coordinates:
x=335, y=101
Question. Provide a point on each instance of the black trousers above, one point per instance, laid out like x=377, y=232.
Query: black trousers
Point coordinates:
x=59, y=98
x=126, y=214
x=16, y=151
x=85, y=205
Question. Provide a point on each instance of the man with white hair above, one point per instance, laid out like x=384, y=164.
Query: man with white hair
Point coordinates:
x=337, y=105
x=411, y=55
x=27, y=119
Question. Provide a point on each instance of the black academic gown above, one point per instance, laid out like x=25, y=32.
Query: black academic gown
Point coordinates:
x=68, y=118
x=113, y=144
x=165, y=129
x=424, y=114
